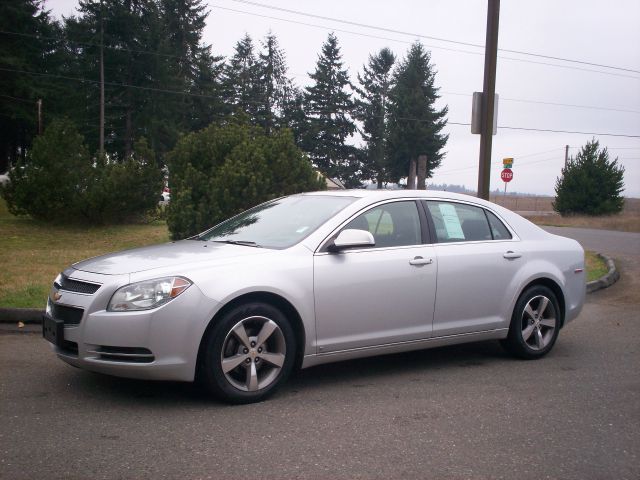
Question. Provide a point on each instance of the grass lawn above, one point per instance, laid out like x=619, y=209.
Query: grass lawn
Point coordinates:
x=33, y=253
x=594, y=265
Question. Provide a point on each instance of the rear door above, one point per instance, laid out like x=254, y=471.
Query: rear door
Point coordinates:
x=477, y=262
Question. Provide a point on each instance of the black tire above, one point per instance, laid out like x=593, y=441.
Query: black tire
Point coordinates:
x=222, y=344
x=540, y=337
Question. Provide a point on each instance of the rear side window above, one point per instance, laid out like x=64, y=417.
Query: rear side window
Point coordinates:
x=498, y=229
x=456, y=222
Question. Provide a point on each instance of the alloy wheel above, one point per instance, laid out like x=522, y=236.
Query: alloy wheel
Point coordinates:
x=538, y=322
x=253, y=353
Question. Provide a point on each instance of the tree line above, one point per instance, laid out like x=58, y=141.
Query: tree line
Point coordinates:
x=162, y=81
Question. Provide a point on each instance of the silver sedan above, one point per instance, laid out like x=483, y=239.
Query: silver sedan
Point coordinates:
x=316, y=278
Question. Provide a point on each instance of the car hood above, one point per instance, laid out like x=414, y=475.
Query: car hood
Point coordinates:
x=164, y=255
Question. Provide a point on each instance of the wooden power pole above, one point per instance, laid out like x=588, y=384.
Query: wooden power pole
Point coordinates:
x=39, y=103
x=566, y=155
x=488, y=98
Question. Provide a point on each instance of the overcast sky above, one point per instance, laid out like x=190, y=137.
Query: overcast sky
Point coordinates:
x=596, y=32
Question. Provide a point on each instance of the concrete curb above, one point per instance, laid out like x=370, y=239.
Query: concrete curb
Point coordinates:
x=34, y=315
x=24, y=315
x=606, y=280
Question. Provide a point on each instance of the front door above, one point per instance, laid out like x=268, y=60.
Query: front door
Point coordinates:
x=377, y=295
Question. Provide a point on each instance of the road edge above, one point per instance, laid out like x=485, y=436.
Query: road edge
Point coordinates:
x=608, y=279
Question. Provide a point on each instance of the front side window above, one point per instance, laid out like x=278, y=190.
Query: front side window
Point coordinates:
x=457, y=222
x=393, y=224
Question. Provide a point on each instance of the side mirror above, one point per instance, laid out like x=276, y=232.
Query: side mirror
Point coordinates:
x=352, y=238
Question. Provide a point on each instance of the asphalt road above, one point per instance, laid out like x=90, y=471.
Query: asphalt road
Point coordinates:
x=459, y=412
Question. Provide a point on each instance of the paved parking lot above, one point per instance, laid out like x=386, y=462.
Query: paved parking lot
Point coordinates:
x=459, y=412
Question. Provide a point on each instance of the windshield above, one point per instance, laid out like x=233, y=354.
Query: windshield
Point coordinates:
x=279, y=223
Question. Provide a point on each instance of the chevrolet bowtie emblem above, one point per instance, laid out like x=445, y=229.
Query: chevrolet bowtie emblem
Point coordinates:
x=57, y=296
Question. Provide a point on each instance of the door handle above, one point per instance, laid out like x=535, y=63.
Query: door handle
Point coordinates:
x=511, y=255
x=417, y=261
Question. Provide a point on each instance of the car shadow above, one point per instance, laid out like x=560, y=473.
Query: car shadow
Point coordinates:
x=376, y=368
x=356, y=373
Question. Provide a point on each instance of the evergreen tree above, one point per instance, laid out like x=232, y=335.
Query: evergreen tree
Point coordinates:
x=191, y=66
x=127, y=30
x=415, y=125
x=273, y=82
x=241, y=79
x=590, y=184
x=23, y=24
x=372, y=111
x=152, y=48
x=208, y=100
x=294, y=116
x=329, y=108
x=225, y=169
x=61, y=182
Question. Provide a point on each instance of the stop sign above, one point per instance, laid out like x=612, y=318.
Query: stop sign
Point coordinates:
x=506, y=175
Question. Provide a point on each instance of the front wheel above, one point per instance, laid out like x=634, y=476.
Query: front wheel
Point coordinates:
x=248, y=354
x=535, y=324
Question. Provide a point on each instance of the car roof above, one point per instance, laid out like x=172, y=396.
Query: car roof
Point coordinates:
x=375, y=195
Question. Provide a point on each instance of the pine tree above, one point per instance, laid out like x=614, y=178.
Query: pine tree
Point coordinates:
x=22, y=22
x=208, y=100
x=130, y=30
x=372, y=111
x=415, y=125
x=294, y=116
x=590, y=184
x=224, y=169
x=329, y=108
x=273, y=83
x=241, y=79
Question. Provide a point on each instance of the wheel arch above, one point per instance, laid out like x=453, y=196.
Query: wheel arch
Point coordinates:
x=555, y=288
x=270, y=298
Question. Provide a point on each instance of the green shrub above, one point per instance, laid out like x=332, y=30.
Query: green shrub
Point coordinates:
x=61, y=182
x=223, y=170
x=590, y=184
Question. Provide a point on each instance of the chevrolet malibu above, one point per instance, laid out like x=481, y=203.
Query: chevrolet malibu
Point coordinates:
x=317, y=278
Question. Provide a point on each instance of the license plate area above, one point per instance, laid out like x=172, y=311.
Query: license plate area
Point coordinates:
x=53, y=330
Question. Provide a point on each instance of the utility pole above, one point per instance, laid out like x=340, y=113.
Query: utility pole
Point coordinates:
x=566, y=155
x=101, y=144
x=488, y=97
x=39, y=103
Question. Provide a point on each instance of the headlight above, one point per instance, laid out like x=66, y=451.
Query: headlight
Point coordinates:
x=148, y=294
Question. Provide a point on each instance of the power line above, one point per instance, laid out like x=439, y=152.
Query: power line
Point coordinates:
x=517, y=157
x=324, y=27
x=573, y=105
x=521, y=100
x=568, y=131
x=90, y=44
x=179, y=92
x=25, y=100
x=457, y=42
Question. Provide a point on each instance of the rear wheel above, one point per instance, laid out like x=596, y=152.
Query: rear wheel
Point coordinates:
x=535, y=323
x=248, y=354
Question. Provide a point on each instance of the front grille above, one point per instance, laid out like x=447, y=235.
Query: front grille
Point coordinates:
x=69, y=315
x=124, y=354
x=77, y=286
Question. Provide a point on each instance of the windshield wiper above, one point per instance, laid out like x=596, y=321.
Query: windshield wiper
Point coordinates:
x=246, y=243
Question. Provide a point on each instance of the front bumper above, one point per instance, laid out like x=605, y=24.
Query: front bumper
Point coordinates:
x=158, y=344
